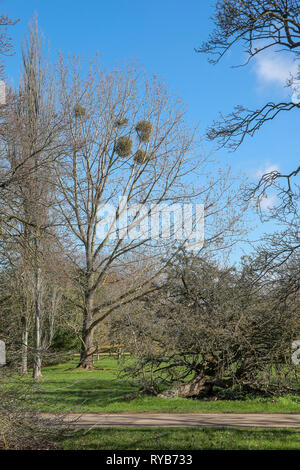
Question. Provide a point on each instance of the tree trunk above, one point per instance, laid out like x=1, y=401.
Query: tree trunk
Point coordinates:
x=24, y=366
x=201, y=384
x=87, y=347
x=191, y=389
x=119, y=352
x=87, y=350
x=37, y=358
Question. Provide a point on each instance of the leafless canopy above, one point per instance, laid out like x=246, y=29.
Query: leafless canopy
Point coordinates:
x=257, y=26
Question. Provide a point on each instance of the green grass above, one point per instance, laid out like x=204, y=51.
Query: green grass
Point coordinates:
x=183, y=439
x=65, y=388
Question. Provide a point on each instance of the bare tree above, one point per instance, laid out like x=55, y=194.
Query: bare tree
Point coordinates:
x=30, y=143
x=127, y=138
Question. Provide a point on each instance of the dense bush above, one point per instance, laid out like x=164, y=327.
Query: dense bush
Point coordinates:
x=65, y=340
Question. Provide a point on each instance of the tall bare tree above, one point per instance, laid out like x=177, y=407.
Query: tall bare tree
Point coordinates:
x=127, y=139
x=31, y=145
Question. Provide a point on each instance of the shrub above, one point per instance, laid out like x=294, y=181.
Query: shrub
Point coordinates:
x=65, y=340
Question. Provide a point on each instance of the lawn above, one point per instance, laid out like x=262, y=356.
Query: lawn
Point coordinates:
x=183, y=439
x=65, y=388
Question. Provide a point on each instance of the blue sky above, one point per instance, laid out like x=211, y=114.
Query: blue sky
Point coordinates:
x=162, y=35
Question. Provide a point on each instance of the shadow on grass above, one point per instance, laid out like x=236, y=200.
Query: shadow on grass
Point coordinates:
x=66, y=388
x=183, y=439
x=75, y=392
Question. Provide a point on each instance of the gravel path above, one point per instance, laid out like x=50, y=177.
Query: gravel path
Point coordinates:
x=99, y=420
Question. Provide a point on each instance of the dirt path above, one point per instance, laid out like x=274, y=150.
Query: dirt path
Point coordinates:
x=98, y=420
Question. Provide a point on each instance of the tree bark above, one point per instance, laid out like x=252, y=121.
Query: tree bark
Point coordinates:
x=87, y=350
x=87, y=347
x=24, y=365
x=202, y=384
x=37, y=358
x=191, y=389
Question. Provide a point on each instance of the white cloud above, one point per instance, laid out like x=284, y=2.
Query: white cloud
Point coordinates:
x=275, y=68
x=268, y=169
x=268, y=202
